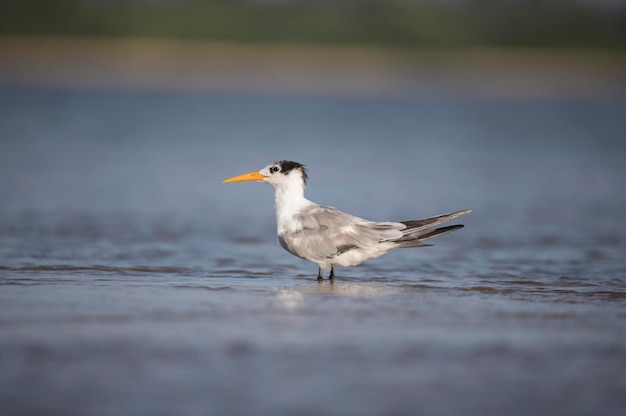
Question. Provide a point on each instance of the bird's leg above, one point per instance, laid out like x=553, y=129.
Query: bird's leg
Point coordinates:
x=320, y=277
x=331, y=276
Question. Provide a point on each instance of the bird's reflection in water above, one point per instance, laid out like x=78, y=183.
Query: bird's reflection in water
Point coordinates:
x=292, y=299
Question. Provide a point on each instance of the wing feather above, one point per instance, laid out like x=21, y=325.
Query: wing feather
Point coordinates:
x=327, y=232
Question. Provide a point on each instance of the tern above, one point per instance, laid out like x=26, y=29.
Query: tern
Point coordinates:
x=328, y=237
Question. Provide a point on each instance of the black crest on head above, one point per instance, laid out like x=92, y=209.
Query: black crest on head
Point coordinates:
x=287, y=166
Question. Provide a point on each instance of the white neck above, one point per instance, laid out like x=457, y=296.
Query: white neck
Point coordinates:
x=288, y=201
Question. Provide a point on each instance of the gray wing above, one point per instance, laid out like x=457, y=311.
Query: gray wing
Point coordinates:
x=328, y=232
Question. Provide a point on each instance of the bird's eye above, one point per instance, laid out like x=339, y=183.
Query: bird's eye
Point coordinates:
x=274, y=169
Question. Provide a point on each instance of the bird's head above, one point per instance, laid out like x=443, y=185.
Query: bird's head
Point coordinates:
x=281, y=174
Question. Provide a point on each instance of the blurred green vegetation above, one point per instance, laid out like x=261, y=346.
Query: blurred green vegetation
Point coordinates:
x=431, y=24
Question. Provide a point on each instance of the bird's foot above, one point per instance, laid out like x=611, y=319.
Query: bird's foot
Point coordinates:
x=320, y=274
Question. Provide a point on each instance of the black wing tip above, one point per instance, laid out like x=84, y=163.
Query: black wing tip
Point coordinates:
x=437, y=219
x=441, y=231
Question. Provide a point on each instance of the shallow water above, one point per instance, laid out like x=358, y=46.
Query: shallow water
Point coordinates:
x=133, y=282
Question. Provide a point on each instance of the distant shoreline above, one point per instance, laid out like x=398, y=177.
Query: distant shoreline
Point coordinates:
x=175, y=65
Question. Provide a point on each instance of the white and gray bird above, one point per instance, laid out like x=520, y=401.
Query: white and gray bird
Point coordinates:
x=329, y=237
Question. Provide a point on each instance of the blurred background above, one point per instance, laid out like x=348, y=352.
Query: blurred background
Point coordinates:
x=364, y=47
x=396, y=23
x=119, y=119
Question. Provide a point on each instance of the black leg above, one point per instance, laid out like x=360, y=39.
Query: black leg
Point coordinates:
x=320, y=277
x=332, y=273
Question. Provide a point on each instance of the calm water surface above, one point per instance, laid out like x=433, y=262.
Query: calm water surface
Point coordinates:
x=133, y=282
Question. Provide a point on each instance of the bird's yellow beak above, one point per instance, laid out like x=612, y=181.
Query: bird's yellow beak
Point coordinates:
x=252, y=176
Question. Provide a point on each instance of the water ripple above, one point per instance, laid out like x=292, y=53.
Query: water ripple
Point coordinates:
x=64, y=268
